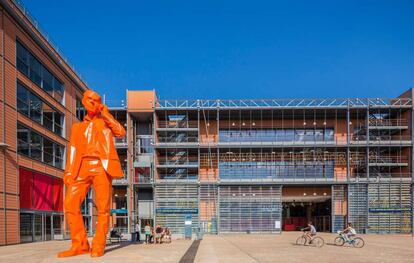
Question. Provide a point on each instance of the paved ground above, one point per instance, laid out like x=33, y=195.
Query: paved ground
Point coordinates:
x=45, y=252
x=228, y=249
x=282, y=248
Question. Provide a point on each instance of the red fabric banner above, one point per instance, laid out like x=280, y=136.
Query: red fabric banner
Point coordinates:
x=42, y=192
x=26, y=188
x=57, y=195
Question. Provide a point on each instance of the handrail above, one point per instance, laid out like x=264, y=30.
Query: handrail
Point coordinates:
x=177, y=124
x=388, y=122
x=286, y=103
x=177, y=161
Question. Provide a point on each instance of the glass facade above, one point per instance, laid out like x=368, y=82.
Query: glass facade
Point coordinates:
x=277, y=135
x=37, y=226
x=30, y=66
x=33, y=107
x=251, y=209
x=35, y=146
x=275, y=170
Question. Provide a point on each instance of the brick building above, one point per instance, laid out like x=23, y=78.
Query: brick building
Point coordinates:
x=38, y=102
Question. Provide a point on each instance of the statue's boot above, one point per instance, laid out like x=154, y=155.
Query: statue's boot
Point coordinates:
x=97, y=251
x=75, y=250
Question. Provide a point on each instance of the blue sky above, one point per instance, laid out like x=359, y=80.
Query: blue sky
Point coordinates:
x=236, y=49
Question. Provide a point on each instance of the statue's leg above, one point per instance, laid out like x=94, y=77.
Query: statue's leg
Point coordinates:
x=74, y=197
x=103, y=189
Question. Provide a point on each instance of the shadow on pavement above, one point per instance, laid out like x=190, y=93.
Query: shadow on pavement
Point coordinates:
x=112, y=247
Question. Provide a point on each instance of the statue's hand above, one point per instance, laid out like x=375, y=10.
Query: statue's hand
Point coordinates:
x=103, y=108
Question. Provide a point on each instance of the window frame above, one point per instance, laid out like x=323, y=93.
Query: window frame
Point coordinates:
x=29, y=95
x=55, y=145
x=31, y=58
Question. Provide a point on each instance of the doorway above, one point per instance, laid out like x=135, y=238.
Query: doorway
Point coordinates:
x=304, y=204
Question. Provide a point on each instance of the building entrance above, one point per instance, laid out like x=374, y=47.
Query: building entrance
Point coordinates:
x=301, y=205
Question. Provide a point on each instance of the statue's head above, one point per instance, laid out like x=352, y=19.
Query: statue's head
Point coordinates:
x=91, y=101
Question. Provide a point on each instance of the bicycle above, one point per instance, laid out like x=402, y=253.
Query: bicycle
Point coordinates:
x=316, y=241
x=355, y=242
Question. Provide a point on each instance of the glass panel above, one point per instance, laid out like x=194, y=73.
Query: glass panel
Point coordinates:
x=58, y=123
x=35, y=108
x=47, y=81
x=36, y=146
x=23, y=135
x=22, y=100
x=58, y=90
x=80, y=109
x=48, y=151
x=48, y=117
x=57, y=225
x=26, y=227
x=48, y=227
x=58, y=156
x=35, y=71
x=22, y=59
x=38, y=227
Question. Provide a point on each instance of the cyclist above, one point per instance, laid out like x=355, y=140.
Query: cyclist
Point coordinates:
x=349, y=232
x=310, y=231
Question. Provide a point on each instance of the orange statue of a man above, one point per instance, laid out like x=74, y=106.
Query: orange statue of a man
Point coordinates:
x=91, y=160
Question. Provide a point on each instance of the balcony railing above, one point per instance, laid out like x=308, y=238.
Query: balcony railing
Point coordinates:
x=388, y=122
x=178, y=161
x=379, y=139
x=121, y=141
x=177, y=124
x=188, y=139
x=285, y=103
x=121, y=181
x=379, y=176
x=388, y=159
x=142, y=179
x=177, y=177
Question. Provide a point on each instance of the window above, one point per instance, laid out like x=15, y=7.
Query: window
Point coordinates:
x=33, y=107
x=32, y=144
x=80, y=109
x=31, y=67
x=22, y=59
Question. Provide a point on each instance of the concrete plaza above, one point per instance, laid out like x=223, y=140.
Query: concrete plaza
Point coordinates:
x=228, y=248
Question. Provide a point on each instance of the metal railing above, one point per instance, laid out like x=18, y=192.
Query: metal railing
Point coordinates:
x=115, y=104
x=178, y=161
x=177, y=124
x=379, y=176
x=388, y=122
x=121, y=141
x=177, y=177
x=379, y=138
x=388, y=159
x=286, y=103
x=121, y=181
x=184, y=139
x=142, y=179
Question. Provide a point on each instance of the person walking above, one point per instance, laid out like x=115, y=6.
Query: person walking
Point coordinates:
x=147, y=233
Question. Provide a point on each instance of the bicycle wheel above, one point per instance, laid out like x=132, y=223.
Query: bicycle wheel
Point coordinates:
x=358, y=242
x=339, y=241
x=318, y=242
x=301, y=241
